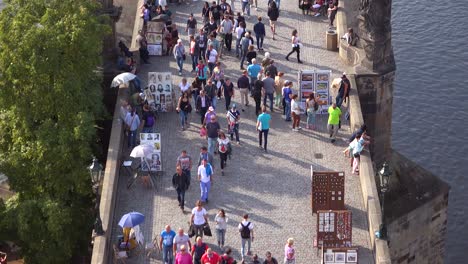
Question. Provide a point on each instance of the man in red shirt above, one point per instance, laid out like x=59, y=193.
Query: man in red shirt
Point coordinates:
x=210, y=257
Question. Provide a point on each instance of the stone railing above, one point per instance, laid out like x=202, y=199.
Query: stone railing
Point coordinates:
x=368, y=185
x=102, y=245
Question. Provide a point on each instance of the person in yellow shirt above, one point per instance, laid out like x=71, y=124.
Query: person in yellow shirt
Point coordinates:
x=129, y=237
x=334, y=114
x=279, y=84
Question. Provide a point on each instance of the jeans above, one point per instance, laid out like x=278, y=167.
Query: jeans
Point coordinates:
x=270, y=98
x=147, y=130
x=214, y=100
x=211, y=145
x=202, y=114
x=199, y=230
x=221, y=234
x=228, y=41
x=204, y=190
x=183, y=118
x=246, y=5
x=132, y=138
x=249, y=243
x=194, y=62
x=278, y=99
x=211, y=66
x=258, y=101
x=180, y=63
x=237, y=46
x=265, y=133
x=288, y=110
x=252, y=82
x=168, y=255
x=202, y=53
x=243, y=56
x=332, y=130
x=311, y=118
x=235, y=131
x=339, y=100
x=223, y=159
x=181, y=197
x=227, y=99
x=260, y=41
x=295, y=49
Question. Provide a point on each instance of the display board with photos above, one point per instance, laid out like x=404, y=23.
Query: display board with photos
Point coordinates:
x=334, y=228
x=159, y=91
x=328, y=189
x=340, y=255
x=154, y=37
x=317, y=82
x=154, y=160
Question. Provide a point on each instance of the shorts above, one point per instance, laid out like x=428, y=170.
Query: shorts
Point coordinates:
x=272, y=23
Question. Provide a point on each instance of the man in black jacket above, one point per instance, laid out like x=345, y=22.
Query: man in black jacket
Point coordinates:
x=202, y=104
x=181, y=183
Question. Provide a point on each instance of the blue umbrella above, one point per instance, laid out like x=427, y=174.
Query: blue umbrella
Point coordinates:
x=131, y=219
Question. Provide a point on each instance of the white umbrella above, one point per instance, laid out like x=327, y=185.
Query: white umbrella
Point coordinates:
x=142, y=151
x=122, y=78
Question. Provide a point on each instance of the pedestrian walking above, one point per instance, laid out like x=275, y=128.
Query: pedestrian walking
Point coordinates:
x=233, y=119
x=279, y=84
x=271, y=70
x=194, y=52
x=268, y=90
x=244, y=48
x=343, y=91
x=251, y=54
x=203, y=105
x=289, y=252
x=206, y=12
x=267, y=60
x=184, y=108
x=312, y=107
x=332, y=10
x=215, y=12
x=205, y=155
x=210, y=257
x=225, y=30
x=202, y=40
x=209, y=114
x=296, y=46
x=148, y=120
x=245, y=7
x=202, y=71
x=269, y=259
x=221, y=226
x=247, y=235
x=287, y=94
x=165, y=243
x=213, y=41
x=211, y=57
x=296, y=113
x=195, y=88
x=263, y=126
x=191, y=28
x=334, y=114
x=205, y=177
x=212, y=92
x=243, y=84
x=273, y=14
x=185, y=162
x=212, y=131
x=253, y=70
x=224, y=146
x=226, y=257
x=211, y=26
x=198, y=219
x=259, y=30
x=132, y=122
x=240, y=30
x=181, y=242
x=183, y=257
x=181, y=182
x=179, y=55
x=257, y=92
x=198, y=249
x=218, y=78
x=184, y=86
x=228, y=91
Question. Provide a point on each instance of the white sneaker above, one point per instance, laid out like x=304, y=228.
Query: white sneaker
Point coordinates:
x=295, y=130
x=299, y=128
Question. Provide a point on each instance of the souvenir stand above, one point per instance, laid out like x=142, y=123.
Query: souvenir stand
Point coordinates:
x=317, y=82
x=327, y=191
x=159, y=93
x=154, y=37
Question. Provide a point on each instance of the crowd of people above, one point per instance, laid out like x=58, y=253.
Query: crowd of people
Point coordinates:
x=201, y=93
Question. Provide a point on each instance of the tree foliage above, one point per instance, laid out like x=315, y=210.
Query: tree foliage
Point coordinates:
x=50, y=99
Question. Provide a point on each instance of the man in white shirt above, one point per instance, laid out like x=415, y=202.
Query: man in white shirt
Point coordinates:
x=247, y=234
x=205, y=176
x=211, y=58
x=181, y=239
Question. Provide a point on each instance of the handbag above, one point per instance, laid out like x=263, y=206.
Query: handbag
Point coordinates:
x=203, y=132
x=207, y=230
x=191, y=231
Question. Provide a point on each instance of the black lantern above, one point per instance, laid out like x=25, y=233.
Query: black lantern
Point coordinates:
x=96, y=173
x=384, y=176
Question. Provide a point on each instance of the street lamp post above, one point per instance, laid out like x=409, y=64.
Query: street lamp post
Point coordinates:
x=384, y=176
x=95, y=171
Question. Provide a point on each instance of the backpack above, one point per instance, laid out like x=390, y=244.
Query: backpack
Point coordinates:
x=149, y=121
x=245, y=231
x=199, y=251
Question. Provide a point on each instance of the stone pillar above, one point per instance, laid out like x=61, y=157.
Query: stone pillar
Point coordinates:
x=375, y=74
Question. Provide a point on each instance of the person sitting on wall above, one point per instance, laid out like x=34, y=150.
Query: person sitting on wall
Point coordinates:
x=350, y=37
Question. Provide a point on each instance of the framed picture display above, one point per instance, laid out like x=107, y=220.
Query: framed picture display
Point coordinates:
x=155, y=27
x=154, y=159
x=329, y=257
x=340, y=257
x=155, y=49
x=160, y=90
x=154, y=38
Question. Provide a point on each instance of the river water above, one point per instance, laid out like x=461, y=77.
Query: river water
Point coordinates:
x=430, y=110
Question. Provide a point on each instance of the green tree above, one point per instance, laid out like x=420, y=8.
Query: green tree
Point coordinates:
x=50, y=98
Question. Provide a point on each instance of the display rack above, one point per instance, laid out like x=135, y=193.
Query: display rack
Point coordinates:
x=346, y=255
x=328, y=191
x=317, y=82
x=334, y=228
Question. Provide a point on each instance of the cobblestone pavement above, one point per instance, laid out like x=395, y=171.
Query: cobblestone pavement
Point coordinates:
x=273, y=188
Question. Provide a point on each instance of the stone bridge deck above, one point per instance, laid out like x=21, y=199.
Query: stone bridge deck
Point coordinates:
x=273, y=188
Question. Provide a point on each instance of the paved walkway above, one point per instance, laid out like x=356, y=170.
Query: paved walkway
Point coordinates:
x=274, y=188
